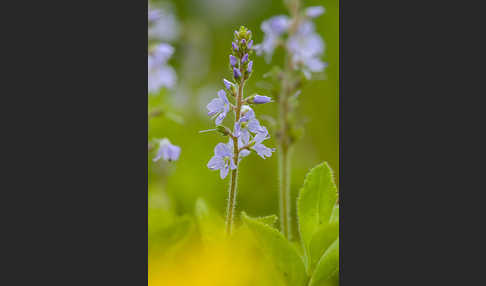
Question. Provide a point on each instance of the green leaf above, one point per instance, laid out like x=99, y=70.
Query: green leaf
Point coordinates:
x=335, y=214
x=211, y=225
x=269, y=220
x=315, y=205
x=282, y=252
x=328, y=265
x=321, y=241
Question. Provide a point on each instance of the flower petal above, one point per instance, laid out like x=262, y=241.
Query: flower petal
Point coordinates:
x=215, y=106
x=215, y=163
x=223, y=172
x=222, y=150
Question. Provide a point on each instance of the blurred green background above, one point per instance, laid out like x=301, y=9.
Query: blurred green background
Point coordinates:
x=201, y=62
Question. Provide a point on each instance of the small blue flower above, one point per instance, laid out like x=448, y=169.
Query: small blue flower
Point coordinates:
x=236, y=73
x=315, y=11
x=160, y=54
x=272, y=28
x=233, y=60
x=243, y=42
x=167, y=151
x=154, y=14
x=160, y=74
x=306, y=47
x=249, y=122
x=262, y=150
x=244, y=58
x=222, y=159
x=219, y=106
x=256, y=144
x=235, y=46
x=250, y=67
x=163, y=25
x=250, y=43
x=260, y=99
x=276, y=25
x=228, y=84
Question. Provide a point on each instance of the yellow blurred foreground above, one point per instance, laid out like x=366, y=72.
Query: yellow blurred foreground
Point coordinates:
x=235, y=262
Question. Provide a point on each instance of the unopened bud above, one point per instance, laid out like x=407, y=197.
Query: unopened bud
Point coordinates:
x=259, y=99
x=223, y=130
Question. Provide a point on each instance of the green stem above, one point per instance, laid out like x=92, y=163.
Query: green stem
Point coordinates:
x=284, y=170
x=284, y=136
x=230, y=208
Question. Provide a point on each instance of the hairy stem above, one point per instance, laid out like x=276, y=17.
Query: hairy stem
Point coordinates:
x=230, y=208
x=284, y=136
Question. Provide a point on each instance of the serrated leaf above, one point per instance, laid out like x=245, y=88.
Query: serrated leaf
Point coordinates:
x=328, y=265
x=335, y=214
x=321, y=241
x=314, y=205
x=282, y=252
x=211, y=225
x=269, y=220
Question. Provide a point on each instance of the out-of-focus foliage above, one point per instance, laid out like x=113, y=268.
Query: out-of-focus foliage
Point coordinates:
x=318, y=262
x=176, y=243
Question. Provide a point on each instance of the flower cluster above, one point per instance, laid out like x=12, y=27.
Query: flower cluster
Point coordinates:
x=160, y=74
x=305, y=45
x=247, y=134
x=161, y=26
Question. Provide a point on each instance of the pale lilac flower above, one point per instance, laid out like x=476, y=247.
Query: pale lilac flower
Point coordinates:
x=260, y=99
x=222, y=159
x=167, y=151
x=250, y=43
x=307, y=47
x=273, y=28
x=315, y=11
x=236, y=73
x=154, y=14
x=233, y=60
x=161, y=76
x=262, y=150
x=163, y=25
x=276, y=25
x=244, y=58
x=219, y=106
x=243, y=42
x=249, y=122
x=250, y=67
x=160, y=54
x=235, y=46
x=159, y=73
x=228, y=84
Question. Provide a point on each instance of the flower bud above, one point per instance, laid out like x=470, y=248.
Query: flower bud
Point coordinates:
x=223, y=130
x=236, y=73
x=315, y=11
x=233, y=60
x=259, y=99
x=227, y=84
x=245, y=58
x=250, y=67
